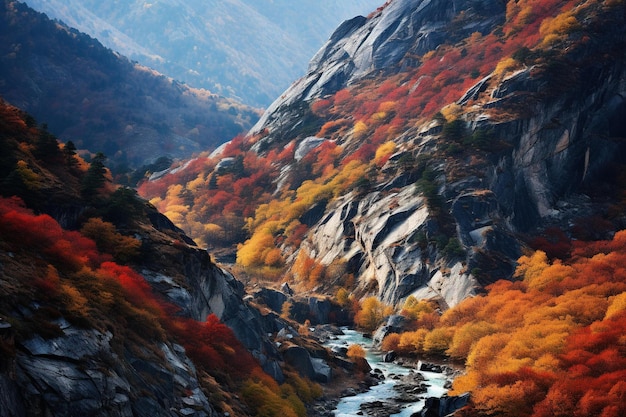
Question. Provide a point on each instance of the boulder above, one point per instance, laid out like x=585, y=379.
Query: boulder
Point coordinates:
x=315, y=369
x=444, y=406
x=394, y=324
x=390, y=356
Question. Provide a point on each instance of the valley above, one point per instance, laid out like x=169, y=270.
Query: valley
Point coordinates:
x=445, y=181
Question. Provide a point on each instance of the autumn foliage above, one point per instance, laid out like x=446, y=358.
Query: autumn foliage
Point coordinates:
x=550, y=343
x=245, y=199
x=91, y=290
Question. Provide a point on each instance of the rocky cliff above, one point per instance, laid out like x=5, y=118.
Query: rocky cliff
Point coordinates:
x=86, y=332
x=385, y=43
x=552, y=126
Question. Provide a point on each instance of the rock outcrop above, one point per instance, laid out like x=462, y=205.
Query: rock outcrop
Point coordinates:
x=81, y=372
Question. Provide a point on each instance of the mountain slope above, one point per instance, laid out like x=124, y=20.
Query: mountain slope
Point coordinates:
x=103, y=102
x=424, y=149
x=107, y=308
x=249, y=50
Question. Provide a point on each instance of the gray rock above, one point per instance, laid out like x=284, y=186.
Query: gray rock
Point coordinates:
x=307, y=145
x=315, y=369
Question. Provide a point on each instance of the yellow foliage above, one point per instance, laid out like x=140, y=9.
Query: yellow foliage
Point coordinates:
x=438, y=340
x=558, y=27
x=465, y=338
x=543, y=276
x=562, y=24
x=466, y=382
x=253, y=251
x=486, y=349
x=30, y=179
x=359, y=128
x=533, y=341
x=506, y=65
x=355, y=351
x=379, y=116
x=266, y=402
x=415, y=309
x=451, y=112
x=384, y=151
x=547, y=362
x=387, y=106
x=197, y=183
x=617, y=305
x=108, y=240
x=342, y=297
x=412, y=342
x=551, y=39
x=509, y=400
x=531, y=267
x=372, y=313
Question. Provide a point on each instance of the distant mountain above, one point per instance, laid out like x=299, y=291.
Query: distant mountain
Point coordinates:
x=246, y=49
x=100, y=100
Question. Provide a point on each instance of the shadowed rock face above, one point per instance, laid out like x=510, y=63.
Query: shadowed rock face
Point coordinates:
x=81, y=373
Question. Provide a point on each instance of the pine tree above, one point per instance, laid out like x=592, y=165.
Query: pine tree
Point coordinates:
x=69, y=152
x=95, y=178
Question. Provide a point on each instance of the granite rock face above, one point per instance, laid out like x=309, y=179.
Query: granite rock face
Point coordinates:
x=190, y=280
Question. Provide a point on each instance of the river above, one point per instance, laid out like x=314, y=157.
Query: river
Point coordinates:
x=350, y=406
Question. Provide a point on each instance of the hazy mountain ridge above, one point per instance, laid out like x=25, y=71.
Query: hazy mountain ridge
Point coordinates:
x=248, y=50
x=102, y=101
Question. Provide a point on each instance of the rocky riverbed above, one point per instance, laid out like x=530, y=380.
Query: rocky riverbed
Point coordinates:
x=391, y=389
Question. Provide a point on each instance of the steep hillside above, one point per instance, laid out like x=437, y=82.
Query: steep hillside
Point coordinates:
x=251, y=49
x=427, y=145
x=108, y=309
x=101, y=101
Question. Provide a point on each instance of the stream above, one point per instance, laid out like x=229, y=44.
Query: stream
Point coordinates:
x=350, y=406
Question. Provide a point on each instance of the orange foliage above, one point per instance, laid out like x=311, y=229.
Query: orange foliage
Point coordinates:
x=355, y=351
x=551, y=344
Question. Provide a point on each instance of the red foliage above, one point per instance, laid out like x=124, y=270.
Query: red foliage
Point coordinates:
x=213, y=345
x=554, y=242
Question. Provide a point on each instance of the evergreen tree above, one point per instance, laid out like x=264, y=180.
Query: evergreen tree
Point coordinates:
x=69, y=152
x=46, y=146
x=95, y=178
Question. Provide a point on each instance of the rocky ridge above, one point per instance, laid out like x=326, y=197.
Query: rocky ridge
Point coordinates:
x=362, y=47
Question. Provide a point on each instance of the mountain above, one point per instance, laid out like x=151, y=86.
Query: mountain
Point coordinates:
x=108, y=309
x=423, y=150
x=101, y=101
x=449, y=174
x=249, y=50
x=459, y=164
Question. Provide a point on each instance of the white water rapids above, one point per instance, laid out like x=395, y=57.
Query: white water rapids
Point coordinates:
x=349, y=406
